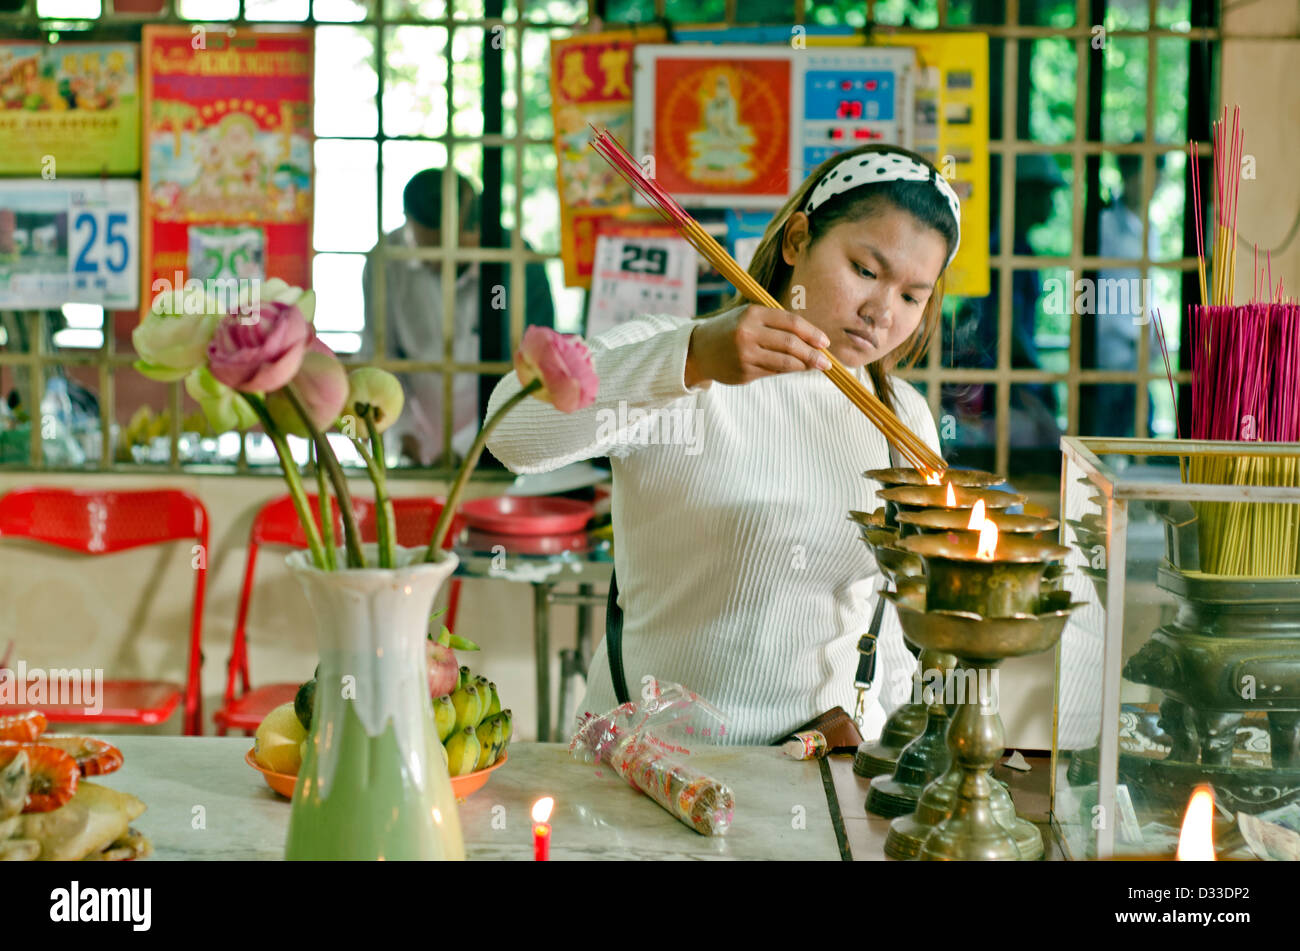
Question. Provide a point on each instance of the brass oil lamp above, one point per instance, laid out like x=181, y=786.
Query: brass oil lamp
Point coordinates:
x=908, y=722
x=985, y=600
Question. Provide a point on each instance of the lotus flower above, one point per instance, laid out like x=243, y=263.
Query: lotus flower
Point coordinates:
x=370, y=387
x=277, y=291
x=225, y=409
x=550, y=366
x=172, y=340
x=322, y=386
x=260, y=355
x=562, y=363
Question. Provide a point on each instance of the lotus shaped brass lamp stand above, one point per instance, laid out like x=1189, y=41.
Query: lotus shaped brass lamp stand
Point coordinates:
x=982, y=610
x=905, y=724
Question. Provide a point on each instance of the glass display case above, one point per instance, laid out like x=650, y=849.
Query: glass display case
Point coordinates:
x=1184, y=667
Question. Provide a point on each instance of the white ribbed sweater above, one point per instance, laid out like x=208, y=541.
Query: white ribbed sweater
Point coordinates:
x=740, y=575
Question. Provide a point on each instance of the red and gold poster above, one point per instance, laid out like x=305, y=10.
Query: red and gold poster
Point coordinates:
x=228, y=156
x=718, y=124
x=591, y=84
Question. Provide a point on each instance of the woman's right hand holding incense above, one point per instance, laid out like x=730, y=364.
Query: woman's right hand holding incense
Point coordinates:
x=753, y=343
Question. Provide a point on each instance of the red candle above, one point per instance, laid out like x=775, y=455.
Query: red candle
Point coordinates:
x=542, y=829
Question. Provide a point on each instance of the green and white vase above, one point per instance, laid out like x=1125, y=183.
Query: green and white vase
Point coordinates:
x=374, y=782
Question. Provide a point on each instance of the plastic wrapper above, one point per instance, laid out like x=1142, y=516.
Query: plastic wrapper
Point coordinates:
x=643, y=743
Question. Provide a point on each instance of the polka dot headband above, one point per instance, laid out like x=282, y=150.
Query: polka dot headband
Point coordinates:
x=871, y=167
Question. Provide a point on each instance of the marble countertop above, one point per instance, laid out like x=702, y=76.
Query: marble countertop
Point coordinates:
x=205, y=803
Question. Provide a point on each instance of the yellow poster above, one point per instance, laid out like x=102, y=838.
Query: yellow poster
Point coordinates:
x=952, y=131
x=69, y=109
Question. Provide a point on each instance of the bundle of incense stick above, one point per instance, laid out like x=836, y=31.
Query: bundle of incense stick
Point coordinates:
x=1245, y=386
x=912, y=447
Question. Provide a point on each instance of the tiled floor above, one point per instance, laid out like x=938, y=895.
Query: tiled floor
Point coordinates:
x=866, y=832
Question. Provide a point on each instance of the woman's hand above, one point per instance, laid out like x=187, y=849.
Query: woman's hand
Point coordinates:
x=756, y=342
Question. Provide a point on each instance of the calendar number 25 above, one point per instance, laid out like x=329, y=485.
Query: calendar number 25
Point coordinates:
x=85, y=262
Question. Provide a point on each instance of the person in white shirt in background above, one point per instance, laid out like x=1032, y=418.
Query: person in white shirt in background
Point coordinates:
x=1119, y=235
x=414, y=313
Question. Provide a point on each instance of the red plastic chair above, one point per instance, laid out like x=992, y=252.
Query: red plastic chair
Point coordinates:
x=98, y=522
x=244, y=707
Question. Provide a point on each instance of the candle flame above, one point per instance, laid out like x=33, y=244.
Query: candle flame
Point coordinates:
x=988, y=545
x=976, y=516
x=542, y=809
x=934, y=478
x=952, y=497
x=1196, y=841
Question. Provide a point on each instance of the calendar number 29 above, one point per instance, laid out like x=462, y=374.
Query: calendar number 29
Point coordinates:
x=640, y=260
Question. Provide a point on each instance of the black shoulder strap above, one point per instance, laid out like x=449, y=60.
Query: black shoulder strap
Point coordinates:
x=614, y=641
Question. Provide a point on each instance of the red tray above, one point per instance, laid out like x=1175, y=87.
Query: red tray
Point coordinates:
x=577, y=542
x=527, y=514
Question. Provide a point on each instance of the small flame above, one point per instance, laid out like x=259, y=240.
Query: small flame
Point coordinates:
x=952, y=497
x=934, y=478
x=976, y=516
x=1196, y=842
x=988, y=545
x=542, y=809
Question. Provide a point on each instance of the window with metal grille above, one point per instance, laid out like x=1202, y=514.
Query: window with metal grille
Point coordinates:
x=1092, y=103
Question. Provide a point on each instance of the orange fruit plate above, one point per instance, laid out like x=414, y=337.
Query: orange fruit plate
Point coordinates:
x=463, y=786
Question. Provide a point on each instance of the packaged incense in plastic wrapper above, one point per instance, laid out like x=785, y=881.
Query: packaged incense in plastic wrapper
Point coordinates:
x=646, y=743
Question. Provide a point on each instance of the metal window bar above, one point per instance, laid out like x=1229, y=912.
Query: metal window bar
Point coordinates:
x=1010, y=34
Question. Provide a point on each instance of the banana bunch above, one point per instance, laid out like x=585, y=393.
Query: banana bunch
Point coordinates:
x=473, y=728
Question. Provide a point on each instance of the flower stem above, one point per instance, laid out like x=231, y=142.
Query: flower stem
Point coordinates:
x=294, y=481
x=385, y=517
x=435, y=551
x=324, y=454
x=326, y=516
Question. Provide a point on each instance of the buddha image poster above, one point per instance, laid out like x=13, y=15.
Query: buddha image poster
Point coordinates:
x=717, y=123
x=228, y=156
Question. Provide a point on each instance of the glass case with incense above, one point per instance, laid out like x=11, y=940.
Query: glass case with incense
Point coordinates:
x=1185, y=667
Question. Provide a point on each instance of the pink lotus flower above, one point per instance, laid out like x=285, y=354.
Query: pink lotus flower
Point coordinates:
x=262, y=354
x=322, y=386
x=562, y=363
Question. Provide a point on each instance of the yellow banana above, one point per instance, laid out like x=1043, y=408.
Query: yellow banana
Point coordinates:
x=444, y=714
x=462, y=752
x=469, y=707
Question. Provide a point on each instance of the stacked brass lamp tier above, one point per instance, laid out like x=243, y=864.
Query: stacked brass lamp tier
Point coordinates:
x=966, y=607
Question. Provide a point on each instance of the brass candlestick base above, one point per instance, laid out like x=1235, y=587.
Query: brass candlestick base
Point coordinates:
x=907, y=834
x=923, y=759
x=881, y=757
x=972, y=830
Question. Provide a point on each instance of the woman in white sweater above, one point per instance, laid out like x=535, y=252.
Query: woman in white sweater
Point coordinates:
x=734, y=466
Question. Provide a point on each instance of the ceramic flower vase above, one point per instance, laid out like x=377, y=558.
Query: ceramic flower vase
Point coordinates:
x=374, y=782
